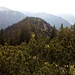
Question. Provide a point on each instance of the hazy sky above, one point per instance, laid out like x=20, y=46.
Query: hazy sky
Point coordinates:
x=47, y=6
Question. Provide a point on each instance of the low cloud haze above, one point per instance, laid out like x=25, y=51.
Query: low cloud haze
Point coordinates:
x=47, y=6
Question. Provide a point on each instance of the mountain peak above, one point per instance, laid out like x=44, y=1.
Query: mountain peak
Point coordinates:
x=3, y=8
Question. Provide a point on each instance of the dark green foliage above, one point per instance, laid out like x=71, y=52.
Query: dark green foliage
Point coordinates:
x=39, y=52
x=23, y=30
x=2, y=37
x=53, y=32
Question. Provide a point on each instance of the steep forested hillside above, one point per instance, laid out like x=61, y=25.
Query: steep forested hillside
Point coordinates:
x=25, y=30
x=55, y=56
x=51, y=19
x=33, y=47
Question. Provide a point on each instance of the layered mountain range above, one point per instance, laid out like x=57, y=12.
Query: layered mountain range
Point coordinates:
x=8, y=17
x=69, y=17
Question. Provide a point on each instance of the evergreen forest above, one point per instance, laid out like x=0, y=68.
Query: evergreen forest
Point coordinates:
x=34, y=47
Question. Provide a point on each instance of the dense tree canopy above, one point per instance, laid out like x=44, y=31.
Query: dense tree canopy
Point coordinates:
x=28, y=53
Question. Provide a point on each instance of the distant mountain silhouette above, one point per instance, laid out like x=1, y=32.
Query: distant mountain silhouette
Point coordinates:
x=69, y=17
x=9, y=17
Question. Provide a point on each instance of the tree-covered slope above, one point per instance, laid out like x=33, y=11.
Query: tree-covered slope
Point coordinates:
x=51, y=19
x=26, y=29
x=42, y=57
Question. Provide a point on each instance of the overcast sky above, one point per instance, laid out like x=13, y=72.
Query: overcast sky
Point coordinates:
x=47, y=6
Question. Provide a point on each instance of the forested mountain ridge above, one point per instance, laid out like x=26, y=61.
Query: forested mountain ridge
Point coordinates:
x=33, y=47
x=9, y=17
x=25, y=29
x=51, y=19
